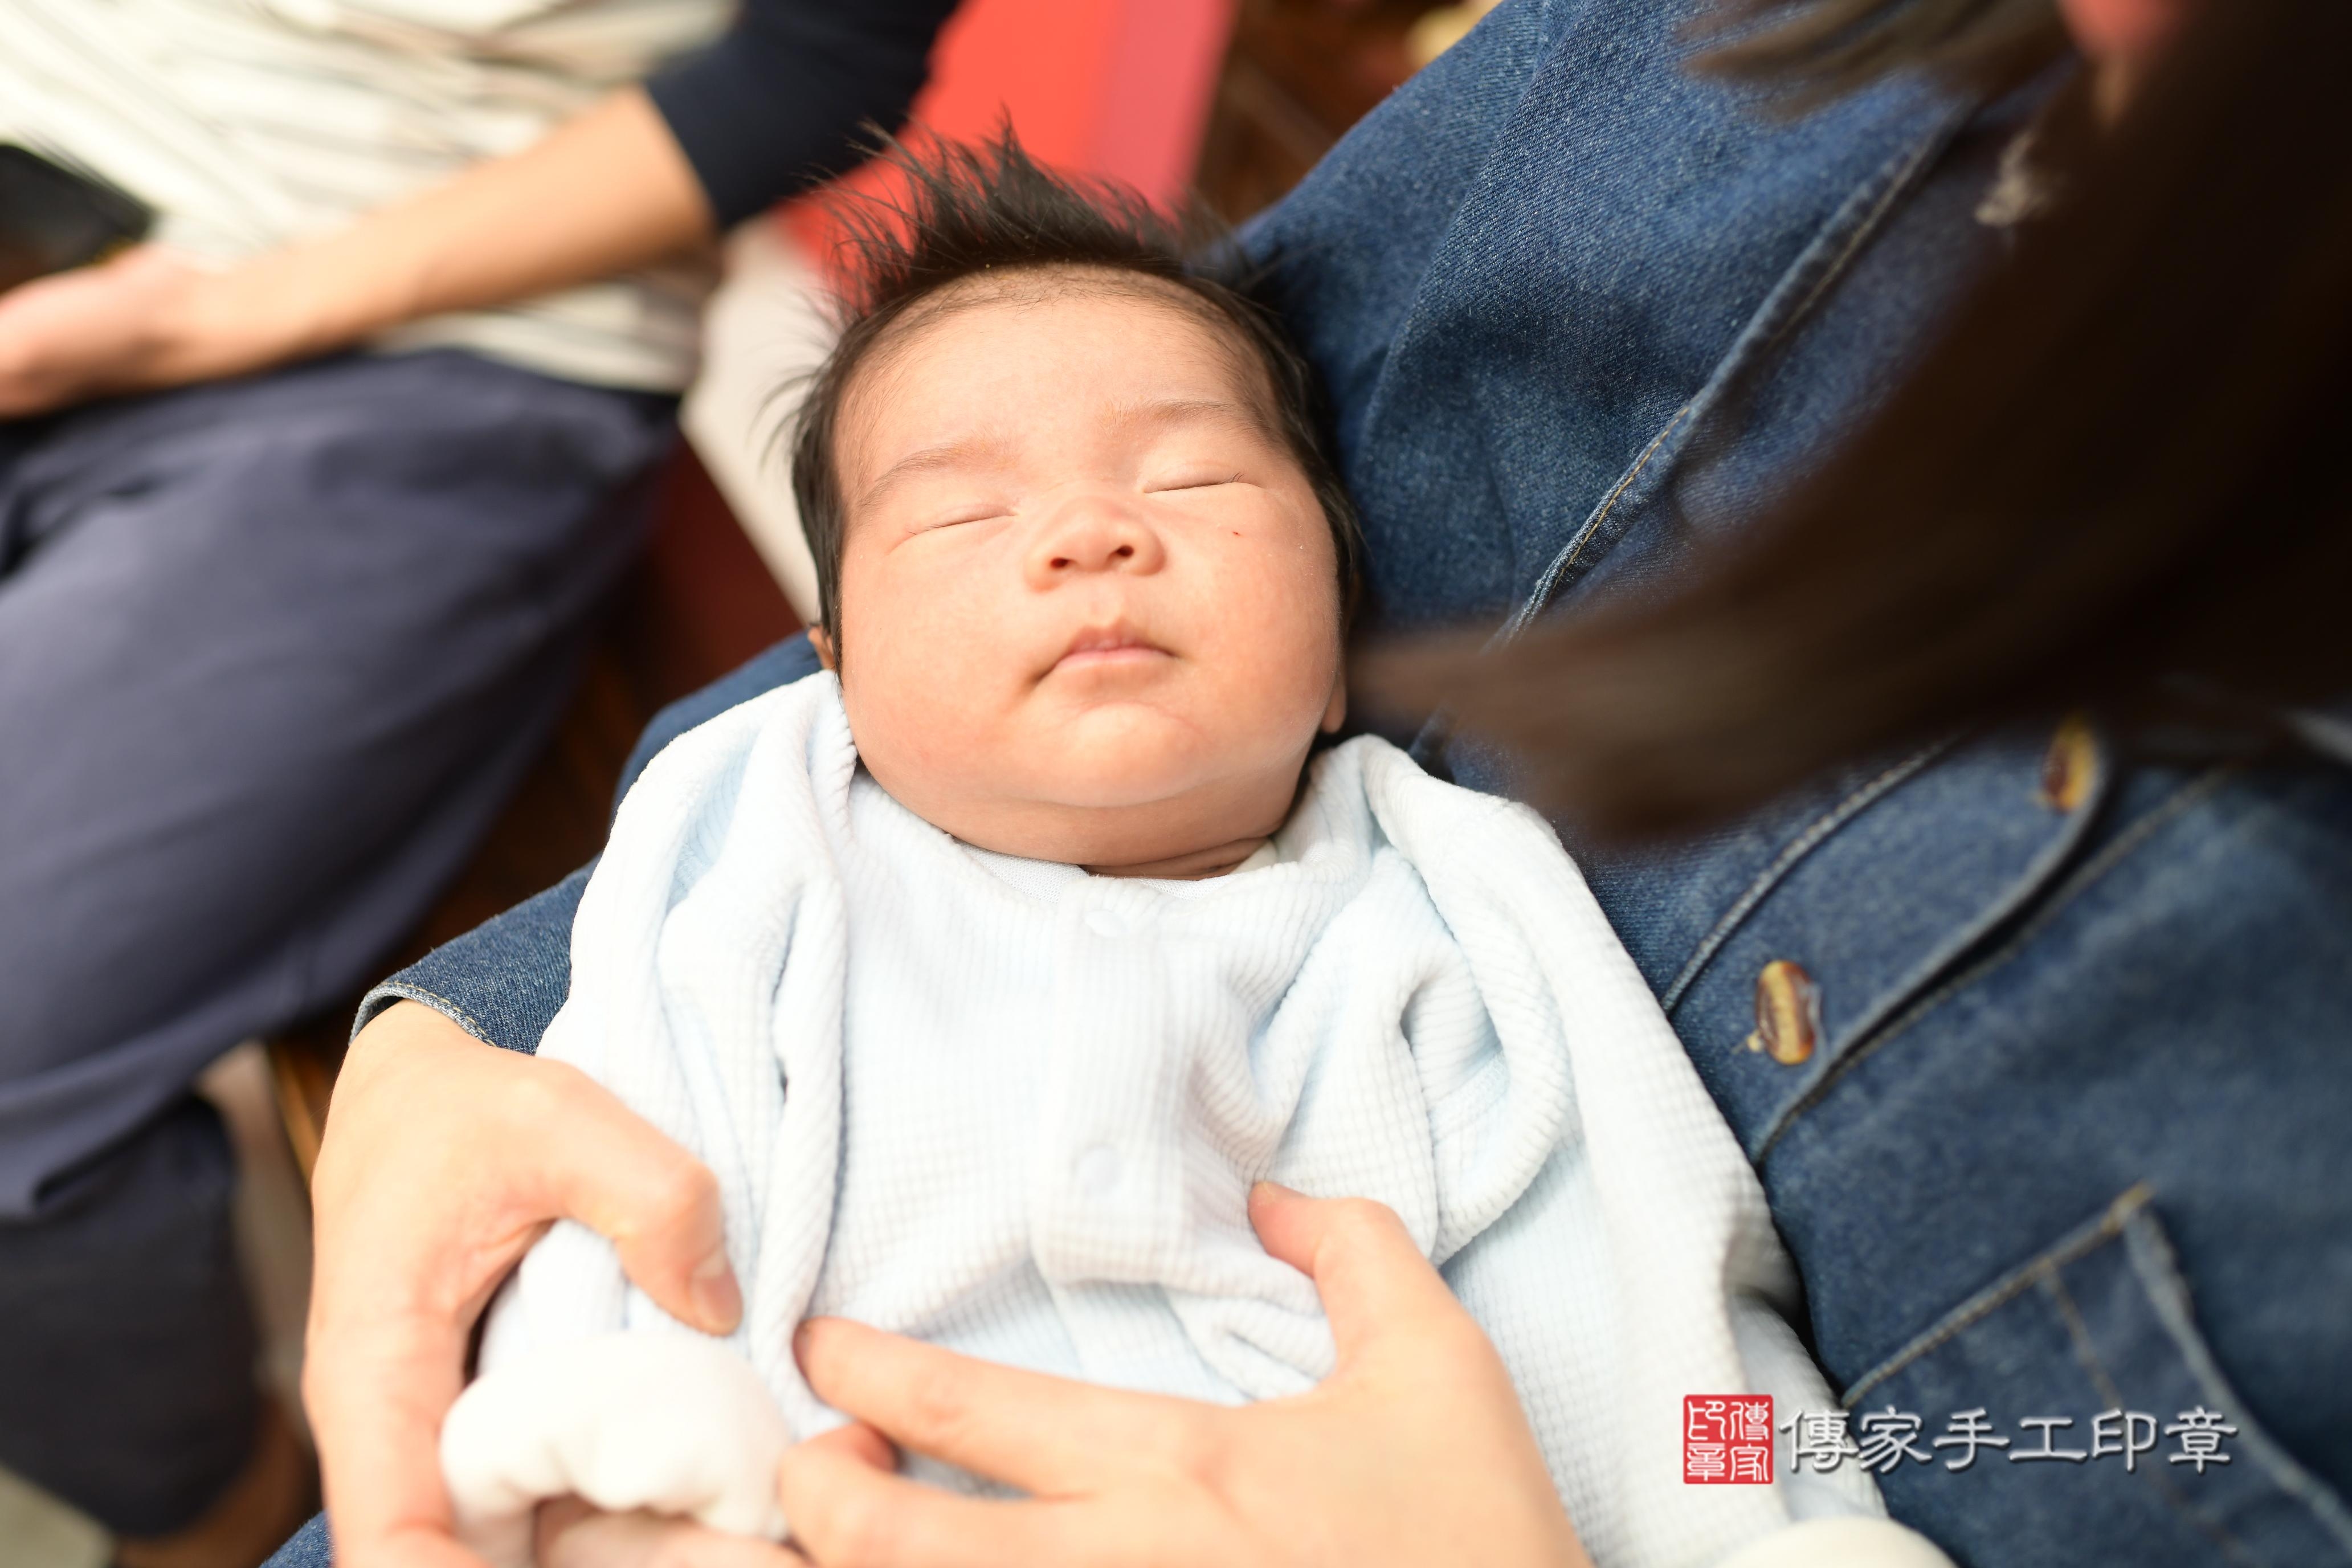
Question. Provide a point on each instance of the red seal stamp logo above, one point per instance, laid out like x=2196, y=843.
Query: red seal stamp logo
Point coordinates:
x=1728, y=1439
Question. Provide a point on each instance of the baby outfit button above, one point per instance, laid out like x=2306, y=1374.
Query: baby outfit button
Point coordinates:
x=1106, y=922
x=1098, y=1170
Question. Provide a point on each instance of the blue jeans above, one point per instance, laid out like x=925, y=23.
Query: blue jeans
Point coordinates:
x=272, y=654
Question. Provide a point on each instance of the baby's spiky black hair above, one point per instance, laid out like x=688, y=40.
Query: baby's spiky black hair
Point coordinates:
x=993, y=210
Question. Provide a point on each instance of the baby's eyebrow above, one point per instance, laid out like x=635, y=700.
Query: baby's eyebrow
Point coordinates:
x=969, y=451
x=1188, y=410
x=972, y=451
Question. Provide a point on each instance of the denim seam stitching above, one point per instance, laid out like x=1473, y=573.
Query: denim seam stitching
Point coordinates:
x=2078, y=1332
x=2087, y=1238
x=1774, y=874
x=2035, y=873
x=1866, y=227
x=2082, y=881
x=2159, y=1271
x=1894, y=180
x=408, y=991
x=1550, y=582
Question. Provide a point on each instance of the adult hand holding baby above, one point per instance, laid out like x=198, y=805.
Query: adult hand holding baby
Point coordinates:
x=1413, y=1451
x=444, y=1160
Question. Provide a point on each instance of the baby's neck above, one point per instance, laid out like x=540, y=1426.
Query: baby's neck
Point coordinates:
x=1188, y=835
x=1194, y=865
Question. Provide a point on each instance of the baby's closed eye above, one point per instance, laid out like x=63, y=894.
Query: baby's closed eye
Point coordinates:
x=958, y=517
x=1192, y=479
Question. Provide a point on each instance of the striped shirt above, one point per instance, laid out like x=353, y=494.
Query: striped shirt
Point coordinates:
x=250, y=123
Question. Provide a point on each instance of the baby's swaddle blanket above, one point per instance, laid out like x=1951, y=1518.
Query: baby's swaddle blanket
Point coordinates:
x=1016, y=1110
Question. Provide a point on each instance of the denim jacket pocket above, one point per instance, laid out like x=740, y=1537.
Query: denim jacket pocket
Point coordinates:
x=2090, y=1353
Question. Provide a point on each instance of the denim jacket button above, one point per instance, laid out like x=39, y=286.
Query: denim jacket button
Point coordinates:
x=2071, y=766
x=1788, y=1012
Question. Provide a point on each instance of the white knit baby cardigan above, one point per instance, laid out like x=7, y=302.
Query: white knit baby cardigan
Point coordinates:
x=1016, y=1110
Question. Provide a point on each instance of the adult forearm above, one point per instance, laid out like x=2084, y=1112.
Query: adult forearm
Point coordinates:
x=605, y=192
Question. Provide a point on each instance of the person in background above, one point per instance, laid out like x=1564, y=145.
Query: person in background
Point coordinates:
x=303, y=510
x=2023, y=374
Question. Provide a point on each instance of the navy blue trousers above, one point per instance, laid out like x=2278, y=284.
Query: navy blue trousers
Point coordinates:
x=273, y=652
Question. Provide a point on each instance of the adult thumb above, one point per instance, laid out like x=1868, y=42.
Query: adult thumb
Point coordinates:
x=1374, y=1280
x=615, y=1174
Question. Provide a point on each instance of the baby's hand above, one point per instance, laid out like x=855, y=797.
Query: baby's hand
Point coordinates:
x=571, y=1534
x=650, y=1427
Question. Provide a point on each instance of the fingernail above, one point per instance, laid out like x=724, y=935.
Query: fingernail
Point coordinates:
x=1276, y=1189
x=717, y=1298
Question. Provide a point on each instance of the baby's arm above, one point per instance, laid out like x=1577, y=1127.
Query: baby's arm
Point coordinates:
x=665, y=1423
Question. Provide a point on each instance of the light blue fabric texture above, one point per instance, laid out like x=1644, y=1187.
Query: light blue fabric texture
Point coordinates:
x=2072, y=1138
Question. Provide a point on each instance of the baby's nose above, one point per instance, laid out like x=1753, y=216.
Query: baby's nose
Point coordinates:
x=1093, y=536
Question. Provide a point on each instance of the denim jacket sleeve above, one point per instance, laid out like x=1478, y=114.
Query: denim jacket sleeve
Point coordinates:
x=502, y=982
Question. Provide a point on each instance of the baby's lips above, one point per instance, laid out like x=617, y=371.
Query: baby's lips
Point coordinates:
x=1109, y=638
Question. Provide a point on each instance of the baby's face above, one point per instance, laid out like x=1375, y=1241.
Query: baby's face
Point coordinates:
x=1089, y=608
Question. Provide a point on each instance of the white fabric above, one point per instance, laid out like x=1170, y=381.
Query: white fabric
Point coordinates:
x=1016, y=1110
x=250, y=123
x=1841, y=1543
x=766, y=326
x=627, y=1421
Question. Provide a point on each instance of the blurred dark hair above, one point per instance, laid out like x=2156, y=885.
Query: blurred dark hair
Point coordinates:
x=993, y=210
x=2123, y=475
x=1816, y=49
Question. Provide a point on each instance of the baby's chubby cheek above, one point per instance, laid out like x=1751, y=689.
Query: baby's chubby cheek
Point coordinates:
x=917, y=701
x=973, y=724
x=962, y=705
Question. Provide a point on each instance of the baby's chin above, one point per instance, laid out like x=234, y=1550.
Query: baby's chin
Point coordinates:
x=1118, y=784
x=1140, y=758
x=1084, y=808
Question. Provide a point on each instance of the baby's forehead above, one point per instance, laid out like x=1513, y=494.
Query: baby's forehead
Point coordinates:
x=1179, y=349
x=1017, y=303
x=1028, y=286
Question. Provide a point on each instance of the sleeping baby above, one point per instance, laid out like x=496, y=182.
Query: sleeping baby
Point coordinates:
x=990, y=969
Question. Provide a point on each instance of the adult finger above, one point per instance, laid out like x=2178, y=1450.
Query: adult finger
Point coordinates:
x=1374, y=1281
x=376, y=1389
x=846, y=1512
x=615, y=1174
x=861, y=1443
x=444, y=1158
x=390, y=1306
x=1044, y=1434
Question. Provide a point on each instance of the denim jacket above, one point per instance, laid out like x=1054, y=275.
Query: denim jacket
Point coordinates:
x=2043, y=1052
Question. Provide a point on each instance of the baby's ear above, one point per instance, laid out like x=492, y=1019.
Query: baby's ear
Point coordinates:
x=823, y=645
x=1336, y=712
